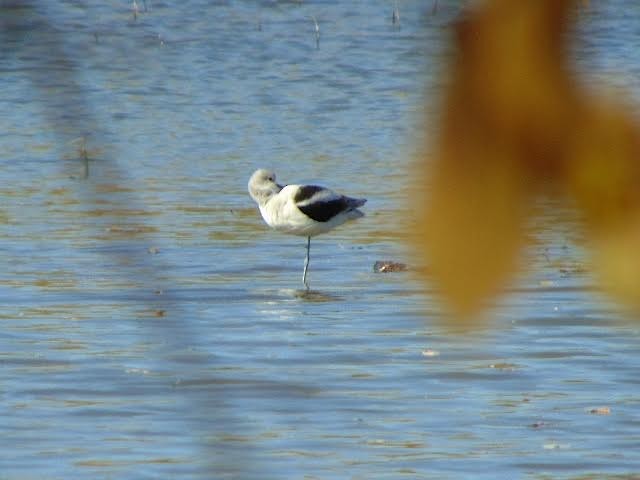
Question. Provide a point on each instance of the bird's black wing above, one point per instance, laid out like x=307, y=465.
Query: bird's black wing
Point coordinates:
x=319, y=203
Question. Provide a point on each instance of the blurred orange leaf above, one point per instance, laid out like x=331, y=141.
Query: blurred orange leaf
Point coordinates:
x=514, y=121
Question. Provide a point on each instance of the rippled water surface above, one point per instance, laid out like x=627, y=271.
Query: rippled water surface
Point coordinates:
x=153, y=327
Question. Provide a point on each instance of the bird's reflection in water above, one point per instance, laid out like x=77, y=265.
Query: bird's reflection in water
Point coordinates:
x=316, y=296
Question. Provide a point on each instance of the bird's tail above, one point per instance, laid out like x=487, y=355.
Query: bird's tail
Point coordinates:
x=354, y=204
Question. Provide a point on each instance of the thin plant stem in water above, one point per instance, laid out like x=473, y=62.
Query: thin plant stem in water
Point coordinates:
x=395, y=17
x=317, y=31
x=83, y=154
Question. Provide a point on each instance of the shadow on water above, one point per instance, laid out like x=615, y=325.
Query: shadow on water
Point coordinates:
x=316, y=296
x=287, y=295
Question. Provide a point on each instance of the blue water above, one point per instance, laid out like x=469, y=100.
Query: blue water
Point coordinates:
x=153, y=327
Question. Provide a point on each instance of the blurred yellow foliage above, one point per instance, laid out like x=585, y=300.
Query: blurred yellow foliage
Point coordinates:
x=514, y=121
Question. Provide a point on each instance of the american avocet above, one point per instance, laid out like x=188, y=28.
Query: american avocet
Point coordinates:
x=305, y=210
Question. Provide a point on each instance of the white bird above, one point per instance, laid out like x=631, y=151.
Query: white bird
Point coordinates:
x=305, y=210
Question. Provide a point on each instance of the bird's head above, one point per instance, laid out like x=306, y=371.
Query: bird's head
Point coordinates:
x=262, y=185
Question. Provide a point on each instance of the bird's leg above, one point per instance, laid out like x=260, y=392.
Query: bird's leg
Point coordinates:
x=306, y=264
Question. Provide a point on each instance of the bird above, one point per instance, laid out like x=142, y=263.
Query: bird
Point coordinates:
x=303, y=210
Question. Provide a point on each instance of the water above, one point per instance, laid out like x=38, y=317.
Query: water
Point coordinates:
x=152, y=327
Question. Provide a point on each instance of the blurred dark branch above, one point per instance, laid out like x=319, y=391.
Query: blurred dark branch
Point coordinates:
x=40, y=49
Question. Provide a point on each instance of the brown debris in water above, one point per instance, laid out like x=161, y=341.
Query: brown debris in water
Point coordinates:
x=600, y=411
x=386, y=266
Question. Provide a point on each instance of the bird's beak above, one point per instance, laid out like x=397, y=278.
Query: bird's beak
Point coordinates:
x=280, y=186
